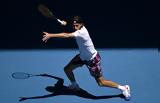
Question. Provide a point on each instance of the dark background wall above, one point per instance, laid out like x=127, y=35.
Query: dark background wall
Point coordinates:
x=111, y=23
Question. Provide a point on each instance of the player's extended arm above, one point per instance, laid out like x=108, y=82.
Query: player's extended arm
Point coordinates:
x=47, y=36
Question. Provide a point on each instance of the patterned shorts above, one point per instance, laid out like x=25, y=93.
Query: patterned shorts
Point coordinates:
x=93, y=65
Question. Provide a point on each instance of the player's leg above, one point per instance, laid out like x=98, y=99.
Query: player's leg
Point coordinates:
x=72, y=65
x=96, y=71
x=107, y=83
x=97, y=74
x=69, y=72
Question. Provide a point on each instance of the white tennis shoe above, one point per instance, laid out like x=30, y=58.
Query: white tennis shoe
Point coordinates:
x=126, y=93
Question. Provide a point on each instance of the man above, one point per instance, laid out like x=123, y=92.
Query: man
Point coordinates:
x=88, y=55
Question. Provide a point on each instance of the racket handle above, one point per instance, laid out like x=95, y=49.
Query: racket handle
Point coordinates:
x=61, y=22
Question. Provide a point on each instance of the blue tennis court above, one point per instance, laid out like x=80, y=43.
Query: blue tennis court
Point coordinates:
x=139, y=68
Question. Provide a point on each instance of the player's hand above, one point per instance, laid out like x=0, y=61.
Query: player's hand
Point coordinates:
x=46, y=36
x=64, y=23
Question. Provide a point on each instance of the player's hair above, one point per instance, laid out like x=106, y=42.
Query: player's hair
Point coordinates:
x=77, y=19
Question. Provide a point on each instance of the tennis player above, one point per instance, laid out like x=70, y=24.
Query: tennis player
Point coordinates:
x=88, y=56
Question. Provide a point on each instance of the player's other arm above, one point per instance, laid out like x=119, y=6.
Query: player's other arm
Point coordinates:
x=47, y=36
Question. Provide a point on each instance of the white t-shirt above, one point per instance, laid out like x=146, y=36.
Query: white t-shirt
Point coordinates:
x=85, y=44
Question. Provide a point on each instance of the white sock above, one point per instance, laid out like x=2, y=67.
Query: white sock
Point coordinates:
x=121, y=87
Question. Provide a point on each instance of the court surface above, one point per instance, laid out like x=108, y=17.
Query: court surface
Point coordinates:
x=140, y=68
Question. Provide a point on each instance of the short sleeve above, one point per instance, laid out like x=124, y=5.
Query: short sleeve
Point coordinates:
x=76, y=33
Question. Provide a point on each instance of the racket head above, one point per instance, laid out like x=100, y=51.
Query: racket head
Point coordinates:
x=21, y=75
x=44, y=10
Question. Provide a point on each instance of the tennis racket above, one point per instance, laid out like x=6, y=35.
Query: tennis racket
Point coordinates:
x=22, y=75
x=44, y=10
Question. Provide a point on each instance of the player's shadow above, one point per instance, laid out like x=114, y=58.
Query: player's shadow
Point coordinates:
x=60, y=89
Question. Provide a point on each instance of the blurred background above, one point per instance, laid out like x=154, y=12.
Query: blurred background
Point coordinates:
x=111, y=23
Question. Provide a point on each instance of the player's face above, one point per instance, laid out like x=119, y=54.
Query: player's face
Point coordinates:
x=77, y=26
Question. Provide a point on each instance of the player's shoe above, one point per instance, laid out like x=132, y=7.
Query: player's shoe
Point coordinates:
x=74, y=87
x=126, y=93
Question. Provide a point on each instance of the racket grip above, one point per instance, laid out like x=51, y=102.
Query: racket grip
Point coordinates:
x=61, y=22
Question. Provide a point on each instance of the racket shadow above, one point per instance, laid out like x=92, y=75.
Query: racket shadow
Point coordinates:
x=60, y=89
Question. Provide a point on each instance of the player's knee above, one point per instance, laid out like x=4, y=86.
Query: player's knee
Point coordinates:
x=101, y=84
